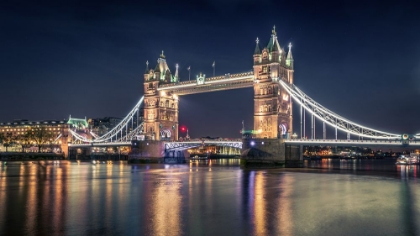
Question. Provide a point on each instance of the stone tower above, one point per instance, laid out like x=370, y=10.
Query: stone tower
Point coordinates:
x=160, y=108
x=272, y=104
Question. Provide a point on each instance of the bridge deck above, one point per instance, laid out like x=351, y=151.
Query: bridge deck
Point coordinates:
x=350, y=142
x=218, y=83
x=238, y=143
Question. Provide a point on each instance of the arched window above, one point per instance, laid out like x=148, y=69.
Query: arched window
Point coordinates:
x=265, y=91
x=161, y=104
x=167, y=103
x=269, y=107
x=265, y=108
x=173, y=105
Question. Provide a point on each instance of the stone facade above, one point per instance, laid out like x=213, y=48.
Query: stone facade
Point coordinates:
x=272, y=104
x=160, y=108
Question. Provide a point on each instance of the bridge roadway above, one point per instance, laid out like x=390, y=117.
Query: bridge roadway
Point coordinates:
x=238, y=143
x=342, y=142
x=168, y=145
x=217, y=83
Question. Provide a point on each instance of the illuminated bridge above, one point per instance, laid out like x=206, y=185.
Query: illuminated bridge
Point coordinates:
x=272, y=79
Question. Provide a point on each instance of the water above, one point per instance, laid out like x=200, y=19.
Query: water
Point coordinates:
x=368, y=197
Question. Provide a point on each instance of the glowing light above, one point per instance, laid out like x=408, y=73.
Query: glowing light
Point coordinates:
x=162, y=93
x=252, y=143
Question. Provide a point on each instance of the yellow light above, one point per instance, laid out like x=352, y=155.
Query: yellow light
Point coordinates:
x=162, y=93
x=175, y=97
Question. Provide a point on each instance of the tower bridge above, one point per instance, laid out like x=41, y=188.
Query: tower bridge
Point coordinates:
x=272, y=79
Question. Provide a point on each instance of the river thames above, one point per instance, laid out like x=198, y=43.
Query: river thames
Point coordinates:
x=328, y=197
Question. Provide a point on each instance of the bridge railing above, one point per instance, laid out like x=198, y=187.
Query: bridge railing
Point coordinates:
x=349, y=141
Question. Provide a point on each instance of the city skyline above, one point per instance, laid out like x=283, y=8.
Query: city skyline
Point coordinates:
x=72, y=60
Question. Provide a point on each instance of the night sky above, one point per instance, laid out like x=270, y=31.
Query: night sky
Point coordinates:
x=360, y=60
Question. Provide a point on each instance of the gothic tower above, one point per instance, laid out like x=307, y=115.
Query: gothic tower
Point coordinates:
x=160, y=108
x=272, y=104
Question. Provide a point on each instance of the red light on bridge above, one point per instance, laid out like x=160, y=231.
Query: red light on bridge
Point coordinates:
x=183, y=129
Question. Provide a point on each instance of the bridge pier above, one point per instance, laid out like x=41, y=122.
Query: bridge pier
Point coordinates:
x=294, y=155
x=148, y=151
x=174, y=156
x=257, y=152
x=263, y=152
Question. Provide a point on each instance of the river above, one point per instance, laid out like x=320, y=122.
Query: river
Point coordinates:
x=328, y=197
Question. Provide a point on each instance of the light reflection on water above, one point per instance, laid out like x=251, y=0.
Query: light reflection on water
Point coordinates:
x=329, y=197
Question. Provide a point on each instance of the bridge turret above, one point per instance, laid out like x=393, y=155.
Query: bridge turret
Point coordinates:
x=272, y=104
x=161, y=108
x=257, y=53
x=257, y=50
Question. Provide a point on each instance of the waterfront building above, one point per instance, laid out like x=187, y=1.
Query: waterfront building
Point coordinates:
x=57, y=129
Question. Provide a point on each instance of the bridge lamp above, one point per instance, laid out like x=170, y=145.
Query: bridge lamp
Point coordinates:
x=162, y=93
x=252, y=143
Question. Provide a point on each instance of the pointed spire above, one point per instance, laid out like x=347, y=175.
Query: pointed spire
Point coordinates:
x=289, y=54
x=176, y=72
x=162, y=55
x=157, y=68
x=147, y=67
x=276, y=45
x=257, y=47
x=273, y=45
x=289, y=60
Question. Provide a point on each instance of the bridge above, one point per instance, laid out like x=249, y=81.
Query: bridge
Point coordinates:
x=272, y=78
x=168, y=145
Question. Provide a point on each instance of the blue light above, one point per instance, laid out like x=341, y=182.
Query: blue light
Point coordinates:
x=252, y=143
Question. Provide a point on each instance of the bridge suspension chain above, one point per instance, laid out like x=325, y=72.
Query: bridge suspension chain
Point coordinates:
x=117, y=130
x=128, y=137
x=332, y=118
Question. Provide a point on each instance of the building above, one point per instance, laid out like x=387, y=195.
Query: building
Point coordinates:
x=272, y=104
x=160, y=112
x=58, y=128
x=100, y=126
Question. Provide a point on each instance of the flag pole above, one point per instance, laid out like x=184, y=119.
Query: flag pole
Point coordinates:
x=189, y=73
x=214, y=68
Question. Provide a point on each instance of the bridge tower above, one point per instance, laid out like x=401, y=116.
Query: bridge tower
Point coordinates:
x=272, y=104
x=160, y=108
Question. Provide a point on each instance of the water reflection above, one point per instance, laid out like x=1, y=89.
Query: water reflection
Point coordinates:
x=166, y=203
x=209, y=198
